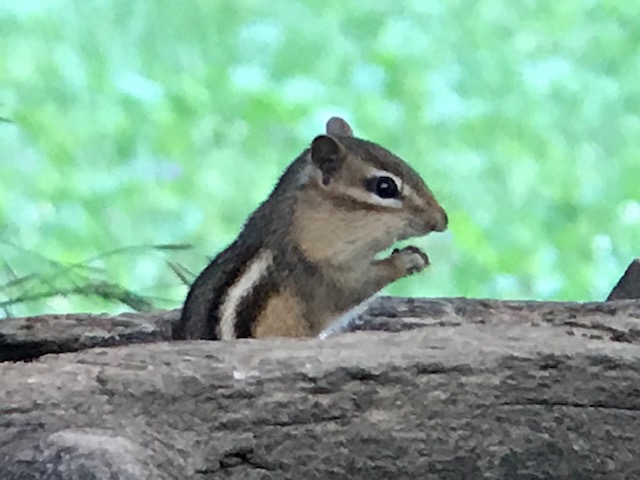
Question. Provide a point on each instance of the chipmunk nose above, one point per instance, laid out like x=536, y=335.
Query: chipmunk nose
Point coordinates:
x=441, y=221
x=435, y=219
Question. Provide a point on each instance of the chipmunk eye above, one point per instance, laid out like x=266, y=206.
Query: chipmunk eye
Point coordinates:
x=384, y=187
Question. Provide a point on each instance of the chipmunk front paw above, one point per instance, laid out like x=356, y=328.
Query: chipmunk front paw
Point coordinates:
x=409, y=260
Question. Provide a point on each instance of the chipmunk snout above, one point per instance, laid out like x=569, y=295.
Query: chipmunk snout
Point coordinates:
x=441, y=221
x=434, y=219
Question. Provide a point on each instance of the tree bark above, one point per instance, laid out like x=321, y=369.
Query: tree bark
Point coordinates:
x=444, y=389
x=31, y=337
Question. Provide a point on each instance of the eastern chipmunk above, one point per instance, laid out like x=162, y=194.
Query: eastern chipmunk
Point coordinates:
x=305, y=257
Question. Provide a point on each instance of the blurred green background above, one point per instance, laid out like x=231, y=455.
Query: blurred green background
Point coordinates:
x=139, y=123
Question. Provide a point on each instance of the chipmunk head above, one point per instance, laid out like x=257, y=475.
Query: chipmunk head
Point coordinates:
x=360, y=198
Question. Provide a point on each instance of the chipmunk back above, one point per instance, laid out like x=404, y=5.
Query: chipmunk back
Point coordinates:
x=306, y=256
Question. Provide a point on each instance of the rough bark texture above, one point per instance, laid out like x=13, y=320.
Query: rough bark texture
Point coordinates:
x=30, y=337
x=452, y=389
x=478, y=389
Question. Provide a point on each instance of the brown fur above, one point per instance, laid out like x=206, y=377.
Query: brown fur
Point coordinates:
x=282, y=316
x=347, y=233
x=324, y=229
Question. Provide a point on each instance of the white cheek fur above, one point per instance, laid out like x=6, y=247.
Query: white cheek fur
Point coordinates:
x=385, y=202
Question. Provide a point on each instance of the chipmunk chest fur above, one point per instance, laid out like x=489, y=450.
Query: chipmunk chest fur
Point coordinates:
x=307, y=255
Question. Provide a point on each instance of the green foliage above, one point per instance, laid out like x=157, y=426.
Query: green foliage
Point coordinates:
x=167, y=122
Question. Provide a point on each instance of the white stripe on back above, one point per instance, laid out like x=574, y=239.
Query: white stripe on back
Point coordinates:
x=244, y=284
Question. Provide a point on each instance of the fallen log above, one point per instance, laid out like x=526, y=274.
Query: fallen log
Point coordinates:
x=447, y=389
x=497, y=399
x=31, y=337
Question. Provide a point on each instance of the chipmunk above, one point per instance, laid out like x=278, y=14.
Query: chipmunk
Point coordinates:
x=306, y=256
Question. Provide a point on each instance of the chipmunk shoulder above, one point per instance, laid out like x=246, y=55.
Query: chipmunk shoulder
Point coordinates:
x=307, y=255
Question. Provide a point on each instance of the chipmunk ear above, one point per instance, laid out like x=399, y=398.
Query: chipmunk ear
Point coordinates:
x=327, y=154
x=339, y=127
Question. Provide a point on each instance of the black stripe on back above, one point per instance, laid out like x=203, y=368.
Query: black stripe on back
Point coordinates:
x=242, y=257
x=252, y=304
x=199, y=318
